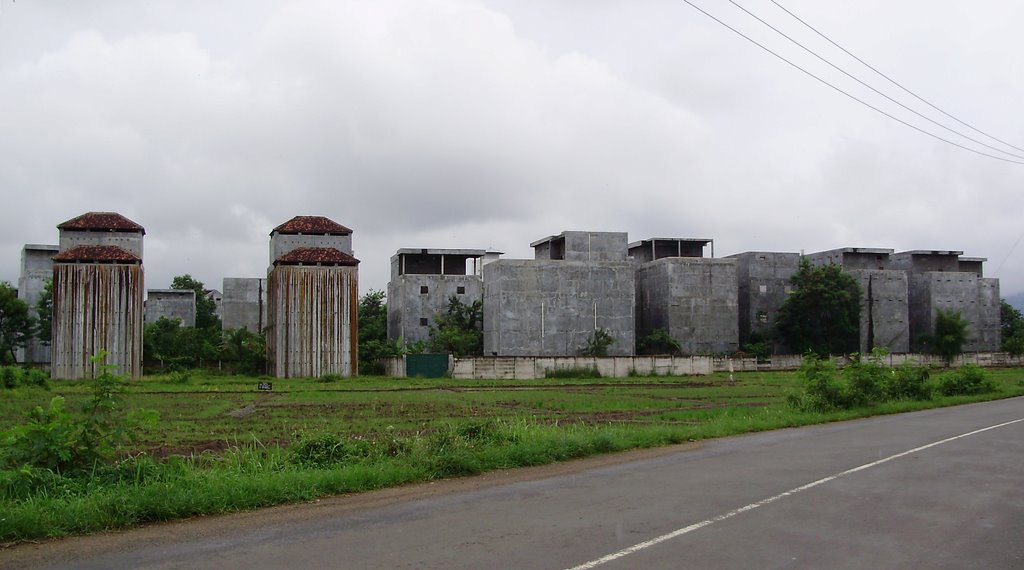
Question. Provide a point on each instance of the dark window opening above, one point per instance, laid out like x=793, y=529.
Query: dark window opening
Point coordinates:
x=424, y=290
x=423, y=322
x=460, y=290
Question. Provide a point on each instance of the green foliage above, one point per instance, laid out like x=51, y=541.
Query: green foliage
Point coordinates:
x=968, y=379
x=863, y=383
x=759, y=345
x=658, y=342
x=1011, y=323
x=822, y=314
x=245, y=350
x=16, y=325
x=574, y=372
x=865, y=379
x=44, y=313
x=206, y=308
x=822, y=390
x=331, y=378
x=909, y=381
x=949, y=337
x=459, y=330
x=13, y=376
x=326, y=450
x=173, y=346
x=373, y=333
x=598, y=343
x=57, y=439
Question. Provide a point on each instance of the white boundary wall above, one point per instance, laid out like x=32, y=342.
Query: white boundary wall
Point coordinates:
x=533, y=367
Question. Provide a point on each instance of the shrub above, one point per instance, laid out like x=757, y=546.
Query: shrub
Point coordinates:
x=658, y=342
x=908, y=382
x=598, y=343
x=331, y=378
x=823, y=391
x=865, y=380
x=969, y=379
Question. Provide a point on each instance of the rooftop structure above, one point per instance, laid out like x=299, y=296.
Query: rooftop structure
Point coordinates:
x=658, y=248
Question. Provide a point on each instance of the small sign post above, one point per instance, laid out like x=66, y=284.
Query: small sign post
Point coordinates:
x=265, y=387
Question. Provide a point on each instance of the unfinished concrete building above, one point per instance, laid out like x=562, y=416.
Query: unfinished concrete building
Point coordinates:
x=552, y=305
x=938, y=281
x=36, y=270
x=243, y=304
x=762, y=286
x=173, y=304
x=312, y=298
x=884, y=306
x=423, y=281
x=97, y=296
x=692, y=298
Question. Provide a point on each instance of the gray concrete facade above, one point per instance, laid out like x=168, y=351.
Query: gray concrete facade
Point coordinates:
x=657, y=248
x=695, y=300
x=423, y=281
x=36, y=270
x=582, y=246
x=762, y=286
x=243, y=304
x=884, y=302
x=171, y=304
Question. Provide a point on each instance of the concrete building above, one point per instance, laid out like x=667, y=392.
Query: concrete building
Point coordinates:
x=762, y=286
x=171, y=304
x=552, y=305
x=97, y=295
x=422, y=282
x=243, y=304
x=312, y=298
x=937, y=281
x=693, y=298
x=36, y=270
x=884, y=308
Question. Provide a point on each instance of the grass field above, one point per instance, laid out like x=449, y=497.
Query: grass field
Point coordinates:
x=221, y=445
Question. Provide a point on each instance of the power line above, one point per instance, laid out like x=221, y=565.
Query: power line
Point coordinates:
x=855, y=98
x=893, y=81
x=858, y=80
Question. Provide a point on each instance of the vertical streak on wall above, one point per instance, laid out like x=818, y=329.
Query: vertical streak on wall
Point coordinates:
x=96, y=307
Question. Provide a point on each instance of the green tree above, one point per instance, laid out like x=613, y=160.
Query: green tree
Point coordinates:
x=822, y=314
x=16, y=325
x=373, y=333
x=949, y=337
x=1012, y=327
x=459, y=330
x=206, y=308
x=658, y=342
x=44, y=314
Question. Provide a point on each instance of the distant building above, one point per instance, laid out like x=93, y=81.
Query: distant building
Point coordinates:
x=312, y=299
x=763, y=283
x=36, y=270
x=243, y=304
x=692, y=298
x=97, y=295
x=179, y=304
x=552, y=305
x=423, y=281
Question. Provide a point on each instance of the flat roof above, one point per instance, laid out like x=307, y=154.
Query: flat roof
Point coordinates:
x=867, y=250
x=974, y=259
x=931, y=252
x=703, y=241
x=41, y=247
x=442, y=251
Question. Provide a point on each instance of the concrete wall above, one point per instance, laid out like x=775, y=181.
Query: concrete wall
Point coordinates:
x=96, y=306
x=36, y=269
x=988, y=330
x=551, y=308
x=171, y=304
x=415, y=299
x=851, y=258
x=281, y=244
x=130, y=241
x=583, y=246
x=923, y=261
x=243, y=304
x=311, y=314
x=762, y=286
x=884, y=310
x=694, y=299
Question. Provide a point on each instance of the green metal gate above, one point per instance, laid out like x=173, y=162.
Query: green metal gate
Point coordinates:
x=426, y=365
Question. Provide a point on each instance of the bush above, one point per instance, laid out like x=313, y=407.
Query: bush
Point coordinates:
x=331, y=378
x=325, y=450
x=13, y=376
x=967, y=380
x=865, y=380
x=908, y=382
x=822, y=391
x=598, y=343
x=658, y=342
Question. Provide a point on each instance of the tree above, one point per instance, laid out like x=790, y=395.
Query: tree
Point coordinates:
x=1012, y=327
x=373, y=333
x=459, y=330
x=949, y=337
x=44, y=314
x=598, y=343
x=206, y=308
x=16, y=325
x=822, y=314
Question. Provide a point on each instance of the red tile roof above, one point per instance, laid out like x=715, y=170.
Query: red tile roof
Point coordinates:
x=311, y=225
x=109, y=221
x=103, y=253
x=316, y=256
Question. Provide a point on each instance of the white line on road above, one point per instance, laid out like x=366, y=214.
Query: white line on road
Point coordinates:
x=696, y=526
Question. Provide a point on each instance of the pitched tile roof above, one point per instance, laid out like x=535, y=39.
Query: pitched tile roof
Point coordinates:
x=316, y=256
x=311, y=225
x=109, y=221
x=102, y=253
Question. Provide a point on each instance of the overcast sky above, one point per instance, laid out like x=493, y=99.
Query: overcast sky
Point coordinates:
x=492, y=123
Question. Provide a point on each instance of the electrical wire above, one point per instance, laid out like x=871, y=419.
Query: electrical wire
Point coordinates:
x=893, y=81
x=854, y=97
x=858, y=80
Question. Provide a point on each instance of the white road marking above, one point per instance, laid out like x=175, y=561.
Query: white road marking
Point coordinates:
x=696, y=526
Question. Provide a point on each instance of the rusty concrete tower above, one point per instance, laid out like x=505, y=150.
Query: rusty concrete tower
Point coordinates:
x=97, y=295
x=312, y=295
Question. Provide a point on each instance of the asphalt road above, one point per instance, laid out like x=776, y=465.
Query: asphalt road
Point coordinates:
x=919, y=490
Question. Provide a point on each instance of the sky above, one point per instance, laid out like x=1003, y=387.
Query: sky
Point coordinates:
x=489, y=124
